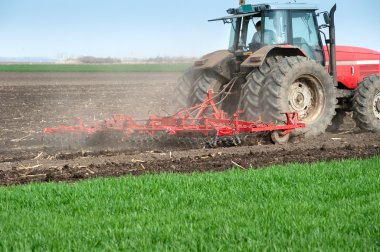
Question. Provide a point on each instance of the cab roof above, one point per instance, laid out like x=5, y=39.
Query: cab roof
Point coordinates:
x=292, y=6
x=250, y=9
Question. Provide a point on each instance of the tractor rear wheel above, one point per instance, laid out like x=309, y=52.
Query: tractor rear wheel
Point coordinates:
x=205, y=82
x=251, y=99
x=367, y=104
x=182, y=92
x=299, y=84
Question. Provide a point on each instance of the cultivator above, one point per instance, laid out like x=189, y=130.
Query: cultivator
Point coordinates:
x=203, y=122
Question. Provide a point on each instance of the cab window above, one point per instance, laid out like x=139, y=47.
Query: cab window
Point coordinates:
x=247, y=31
x=275, y=27
x=305, y=34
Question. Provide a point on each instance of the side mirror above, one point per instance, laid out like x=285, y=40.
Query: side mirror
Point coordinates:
x=326, y=16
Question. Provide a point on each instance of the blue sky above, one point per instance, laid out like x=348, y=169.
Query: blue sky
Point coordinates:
x=126, y=28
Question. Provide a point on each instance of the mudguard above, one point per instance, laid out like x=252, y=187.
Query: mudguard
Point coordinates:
x=220, y=62
x=257, y=58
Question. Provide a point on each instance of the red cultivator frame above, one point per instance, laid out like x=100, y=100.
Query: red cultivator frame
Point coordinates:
x=204, y=120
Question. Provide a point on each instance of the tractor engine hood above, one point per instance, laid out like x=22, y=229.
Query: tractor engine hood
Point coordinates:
x=355, y=55
x=354, y=64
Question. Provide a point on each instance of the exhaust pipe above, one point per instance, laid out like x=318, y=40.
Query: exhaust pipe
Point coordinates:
x=333, y=72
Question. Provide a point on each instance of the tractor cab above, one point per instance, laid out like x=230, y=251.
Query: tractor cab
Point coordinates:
x=256, y=26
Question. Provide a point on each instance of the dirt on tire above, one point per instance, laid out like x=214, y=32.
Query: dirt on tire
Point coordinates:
x=30, y=102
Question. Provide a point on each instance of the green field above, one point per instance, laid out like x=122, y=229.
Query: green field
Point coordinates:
x=112, y=68
x=317, y=207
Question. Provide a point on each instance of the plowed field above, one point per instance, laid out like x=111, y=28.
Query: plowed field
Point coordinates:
x=30, y=102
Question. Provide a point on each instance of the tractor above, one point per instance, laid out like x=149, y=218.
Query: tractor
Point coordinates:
x=285, y=67
x=276, y=67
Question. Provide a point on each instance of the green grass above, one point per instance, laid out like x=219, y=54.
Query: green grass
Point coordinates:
x=318, y=207
x=94, y=68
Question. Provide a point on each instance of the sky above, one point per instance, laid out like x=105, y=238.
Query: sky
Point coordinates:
x=150, y=28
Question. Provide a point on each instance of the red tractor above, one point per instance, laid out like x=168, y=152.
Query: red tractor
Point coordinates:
x=277, y=63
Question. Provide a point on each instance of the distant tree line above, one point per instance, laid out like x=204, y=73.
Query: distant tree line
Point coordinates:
x=97, y=60
x=160, y=59
x=110, y=60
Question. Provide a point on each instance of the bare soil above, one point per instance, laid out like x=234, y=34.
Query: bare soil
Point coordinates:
x=30, y=102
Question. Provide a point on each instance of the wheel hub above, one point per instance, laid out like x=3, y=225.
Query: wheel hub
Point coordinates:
x=300, y=98
x=376, y=106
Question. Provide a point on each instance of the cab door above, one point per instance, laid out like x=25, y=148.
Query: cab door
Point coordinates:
x=305, y=34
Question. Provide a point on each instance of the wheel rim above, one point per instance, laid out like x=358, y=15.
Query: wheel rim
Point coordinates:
x=376, y=106
x=306, y=97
